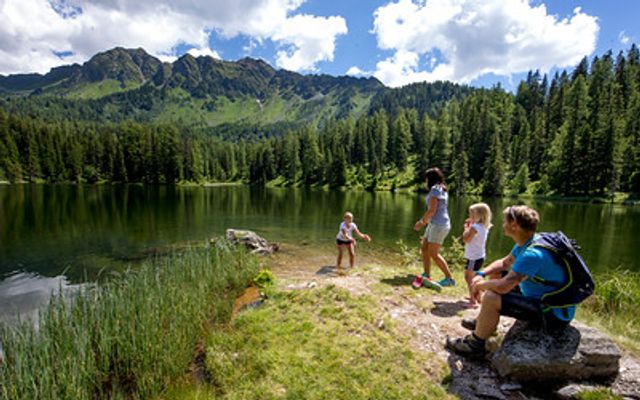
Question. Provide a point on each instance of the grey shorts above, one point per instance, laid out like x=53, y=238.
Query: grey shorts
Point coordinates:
x=436, y=233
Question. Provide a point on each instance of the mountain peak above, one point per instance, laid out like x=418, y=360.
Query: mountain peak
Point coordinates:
x=121, y=64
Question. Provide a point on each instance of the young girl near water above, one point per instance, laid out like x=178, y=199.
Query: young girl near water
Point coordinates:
x=476, y=230
x=345, y=240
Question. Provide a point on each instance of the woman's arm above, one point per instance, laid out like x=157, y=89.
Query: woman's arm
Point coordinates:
x=426, y=217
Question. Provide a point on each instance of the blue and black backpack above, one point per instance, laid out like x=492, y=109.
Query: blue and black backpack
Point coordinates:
x=579, y=284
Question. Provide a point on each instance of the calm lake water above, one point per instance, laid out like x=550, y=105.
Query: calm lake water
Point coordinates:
x=61, y=236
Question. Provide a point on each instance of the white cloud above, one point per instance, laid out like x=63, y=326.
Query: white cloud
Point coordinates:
x=204, y=52
x=32, y=30
x=355, y=71
x=476, y=37
x=308, y=39
x=624, y=39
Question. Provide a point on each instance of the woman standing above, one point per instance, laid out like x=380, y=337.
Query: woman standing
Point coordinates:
x=436, y=218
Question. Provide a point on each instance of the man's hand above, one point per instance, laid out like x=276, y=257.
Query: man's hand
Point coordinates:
x=476, y=291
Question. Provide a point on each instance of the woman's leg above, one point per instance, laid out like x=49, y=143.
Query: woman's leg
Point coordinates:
x=426, y=259
x=434, y=252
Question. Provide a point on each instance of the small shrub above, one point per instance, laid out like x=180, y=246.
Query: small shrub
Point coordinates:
x=265, y=278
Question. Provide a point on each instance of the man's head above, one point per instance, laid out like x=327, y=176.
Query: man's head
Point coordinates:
x=520, y=219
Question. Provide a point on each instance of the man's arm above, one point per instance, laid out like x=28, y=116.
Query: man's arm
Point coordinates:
x=502, y=264
x=503, y=285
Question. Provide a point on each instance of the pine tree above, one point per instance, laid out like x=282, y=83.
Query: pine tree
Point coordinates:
x=494, y=169
x=311, y=157
x=291, y=158
x=380, y=136
x=401, y=142
x=459, y=167
x=580, y=151
x=337, y=175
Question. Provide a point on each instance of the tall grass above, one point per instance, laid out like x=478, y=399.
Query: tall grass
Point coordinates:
x=129, y=337
x=615, y=304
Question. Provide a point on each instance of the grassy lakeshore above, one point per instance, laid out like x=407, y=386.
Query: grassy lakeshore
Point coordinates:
x=130, y=337
x=355, y=337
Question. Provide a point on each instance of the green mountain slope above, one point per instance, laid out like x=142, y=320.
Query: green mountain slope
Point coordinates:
x=124, y=84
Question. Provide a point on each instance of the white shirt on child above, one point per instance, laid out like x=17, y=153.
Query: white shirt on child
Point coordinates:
x=349, y=229
x=476, y=248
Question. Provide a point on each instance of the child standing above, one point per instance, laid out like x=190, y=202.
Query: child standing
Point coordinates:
x=345, y=239
x=476, y=230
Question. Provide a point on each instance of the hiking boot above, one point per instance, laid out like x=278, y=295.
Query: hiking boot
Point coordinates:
x=447, y=282
x=431, y=284
x=469, y=323
x=468, y=346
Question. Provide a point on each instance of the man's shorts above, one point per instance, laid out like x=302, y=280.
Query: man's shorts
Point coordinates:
x=518, y=306
x=473, y=265
x=436, y=233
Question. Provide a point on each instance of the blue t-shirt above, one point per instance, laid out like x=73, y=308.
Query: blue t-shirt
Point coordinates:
x=441, y=217
x=535, y=261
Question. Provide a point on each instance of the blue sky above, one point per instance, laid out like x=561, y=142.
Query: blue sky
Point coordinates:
x=398, y=42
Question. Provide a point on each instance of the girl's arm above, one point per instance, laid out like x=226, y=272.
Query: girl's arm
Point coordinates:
x=345, y=233
x=468, y=234
x=365, y=237
x=426, y=217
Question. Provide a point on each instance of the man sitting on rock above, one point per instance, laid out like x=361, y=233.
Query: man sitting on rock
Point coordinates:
x=516, y=294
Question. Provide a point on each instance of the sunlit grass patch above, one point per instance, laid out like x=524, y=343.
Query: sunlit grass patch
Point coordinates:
x=598, y=394
x=319, y=344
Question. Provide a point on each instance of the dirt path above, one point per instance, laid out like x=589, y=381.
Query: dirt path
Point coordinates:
x=428, y=317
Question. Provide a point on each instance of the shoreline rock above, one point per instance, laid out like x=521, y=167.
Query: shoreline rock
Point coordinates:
x=251, y=240
x=579, y=353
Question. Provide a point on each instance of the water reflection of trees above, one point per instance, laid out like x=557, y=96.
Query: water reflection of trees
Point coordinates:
x=50, y=228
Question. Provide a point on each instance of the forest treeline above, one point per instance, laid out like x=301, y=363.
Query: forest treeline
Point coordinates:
x=575, y=133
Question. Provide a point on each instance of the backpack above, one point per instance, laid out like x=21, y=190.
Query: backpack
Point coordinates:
x=580, y=283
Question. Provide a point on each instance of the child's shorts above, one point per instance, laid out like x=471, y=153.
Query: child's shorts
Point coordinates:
x=341, y=242
x=436, y=233
x=473, y=265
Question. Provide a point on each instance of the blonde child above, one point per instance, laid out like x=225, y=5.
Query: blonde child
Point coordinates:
x=345, y=239
x=476, y=230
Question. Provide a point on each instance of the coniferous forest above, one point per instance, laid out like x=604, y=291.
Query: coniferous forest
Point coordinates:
x=576, y=133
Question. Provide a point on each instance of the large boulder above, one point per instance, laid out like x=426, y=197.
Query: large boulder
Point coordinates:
x=577, y=353
x=251, y=240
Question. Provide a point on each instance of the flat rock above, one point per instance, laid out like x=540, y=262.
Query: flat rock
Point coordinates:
x=578, y=353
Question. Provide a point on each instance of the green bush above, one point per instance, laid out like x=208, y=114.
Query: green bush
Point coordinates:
x=265, y=278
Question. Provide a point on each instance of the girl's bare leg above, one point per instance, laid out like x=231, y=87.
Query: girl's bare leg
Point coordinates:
x=339, y=260
x=352, y=256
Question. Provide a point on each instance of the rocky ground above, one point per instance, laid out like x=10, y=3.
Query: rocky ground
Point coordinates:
x=430, y=317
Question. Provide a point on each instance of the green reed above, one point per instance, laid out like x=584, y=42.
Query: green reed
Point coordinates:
x=127, y=338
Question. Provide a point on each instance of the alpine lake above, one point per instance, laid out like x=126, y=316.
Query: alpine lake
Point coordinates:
x=56, y=237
